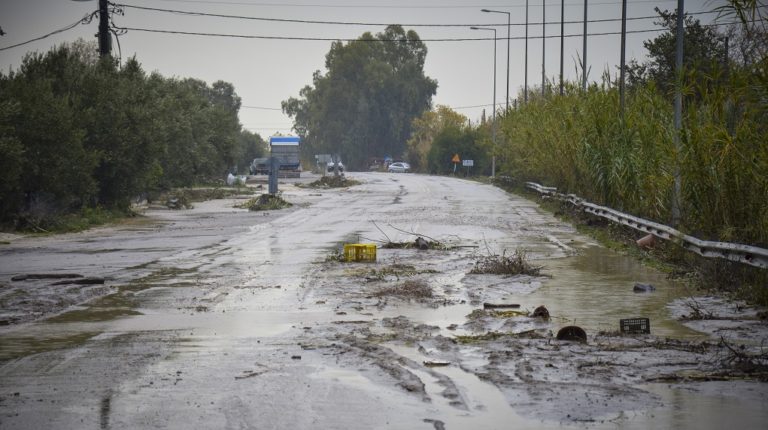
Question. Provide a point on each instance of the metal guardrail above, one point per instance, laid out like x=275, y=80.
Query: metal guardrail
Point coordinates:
x=745, y=254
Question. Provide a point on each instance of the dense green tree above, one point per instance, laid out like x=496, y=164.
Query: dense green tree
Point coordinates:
x=117, y=110
x=703, y=50
x=251, y=146
x=77, y=131
x=12, y=160
x=456, y=140
x=55, y=165
x=425, y=128
x=364, y=105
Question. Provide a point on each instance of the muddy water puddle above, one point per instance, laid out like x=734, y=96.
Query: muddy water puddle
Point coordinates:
x=595, y=290
x=718, y=405
x=592, y=289
x=16, y=346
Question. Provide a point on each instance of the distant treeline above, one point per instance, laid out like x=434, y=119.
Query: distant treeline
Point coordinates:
x=81, y=132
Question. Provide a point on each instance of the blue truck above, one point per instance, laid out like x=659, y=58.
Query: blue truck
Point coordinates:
x=286, y=150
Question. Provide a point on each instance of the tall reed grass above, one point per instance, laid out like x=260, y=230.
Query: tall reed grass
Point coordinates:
x=580, y=143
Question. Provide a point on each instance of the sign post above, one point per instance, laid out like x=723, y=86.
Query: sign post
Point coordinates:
x=468, y=164
x=274, y=169
x=455, y=160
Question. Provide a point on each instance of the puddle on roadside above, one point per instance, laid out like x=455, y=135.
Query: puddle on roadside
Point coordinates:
x=231, y=324
x=719, y=405
x=106, y=308
x=594, y=290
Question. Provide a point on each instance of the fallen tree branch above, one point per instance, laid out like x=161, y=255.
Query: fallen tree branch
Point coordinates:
x=414, y=234
x=382, y=231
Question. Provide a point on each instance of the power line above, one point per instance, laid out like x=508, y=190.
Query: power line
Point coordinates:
x=357, y=6
x=452, y=107
x=260, y=107
x=336, y=39
x=305, y=21
x=459, y=39
x=86, y=19
x=469, y=107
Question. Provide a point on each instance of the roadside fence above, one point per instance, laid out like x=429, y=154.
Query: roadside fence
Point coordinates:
x=752, y=255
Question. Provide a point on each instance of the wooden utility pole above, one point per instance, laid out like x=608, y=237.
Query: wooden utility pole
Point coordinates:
x=105, y=41
x=677, y=192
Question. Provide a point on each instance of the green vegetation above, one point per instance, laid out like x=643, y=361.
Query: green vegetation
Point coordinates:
x=265, y=202
x=469, y=143
x=426, y=128
x=185, y=197
x=581, y=144
x=80, y=133
x=365, y=102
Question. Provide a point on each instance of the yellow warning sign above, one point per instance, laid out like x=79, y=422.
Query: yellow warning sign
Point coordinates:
x=456, y=159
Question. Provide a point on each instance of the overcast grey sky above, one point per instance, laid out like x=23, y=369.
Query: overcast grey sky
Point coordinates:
x=266, y=72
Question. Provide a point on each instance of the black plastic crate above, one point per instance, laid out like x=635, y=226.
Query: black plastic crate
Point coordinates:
x=635, y=325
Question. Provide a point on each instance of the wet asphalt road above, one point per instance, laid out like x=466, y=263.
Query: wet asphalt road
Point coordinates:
x=222, y=318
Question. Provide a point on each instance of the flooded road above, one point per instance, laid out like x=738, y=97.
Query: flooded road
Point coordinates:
x=218, y=317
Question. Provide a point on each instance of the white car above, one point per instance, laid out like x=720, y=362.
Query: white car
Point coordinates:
x=399, y=167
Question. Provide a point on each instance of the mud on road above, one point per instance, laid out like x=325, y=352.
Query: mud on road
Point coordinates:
x=217, y=317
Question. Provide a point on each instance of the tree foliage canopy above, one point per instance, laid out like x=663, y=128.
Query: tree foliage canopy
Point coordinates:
x=703, y=49
x=364, y=104
x=425, y=129
x=77, y=131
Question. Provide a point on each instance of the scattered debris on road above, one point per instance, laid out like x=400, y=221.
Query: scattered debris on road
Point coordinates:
x=332, y=181
x=635, y=325
x=265, y=202
x=436, y=363
x=515, y=264
x=643, y=288
x=572, y=333
x=501, y=306
x=94, y=280
x=540, y=312
x=409, y=289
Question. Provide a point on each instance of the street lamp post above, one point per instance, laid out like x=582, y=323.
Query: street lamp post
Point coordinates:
x=493, y=124
x=543, y=48
x=525, y=90
x=509, y=25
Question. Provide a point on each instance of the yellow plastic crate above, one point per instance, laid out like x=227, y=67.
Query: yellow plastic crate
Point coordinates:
x=360, y=252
